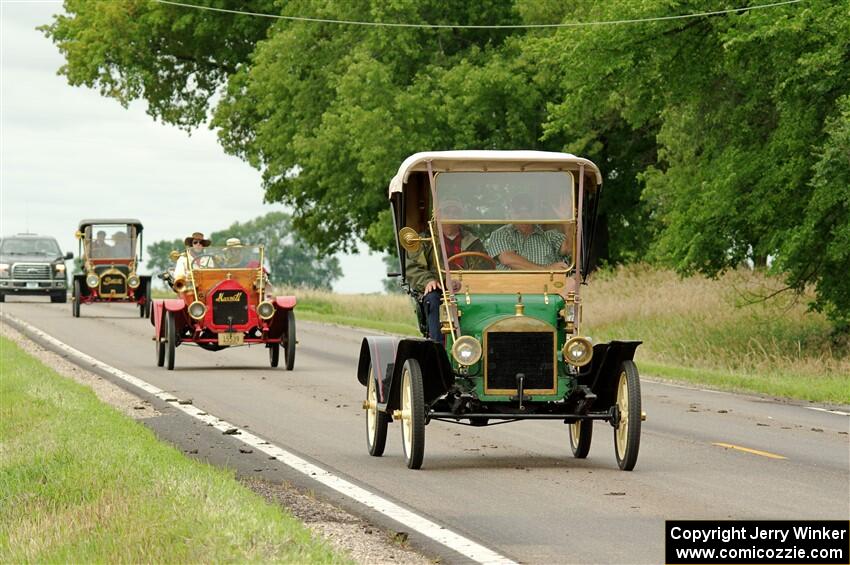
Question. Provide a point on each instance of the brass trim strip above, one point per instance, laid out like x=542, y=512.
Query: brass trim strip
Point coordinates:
x=510, y=221
x=191, y=274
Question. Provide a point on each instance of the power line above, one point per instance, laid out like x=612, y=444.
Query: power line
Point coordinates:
x=459, y=26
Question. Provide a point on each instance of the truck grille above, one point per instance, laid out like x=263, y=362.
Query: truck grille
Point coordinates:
x=31, y=271
x=230, y=307
x=529, y=353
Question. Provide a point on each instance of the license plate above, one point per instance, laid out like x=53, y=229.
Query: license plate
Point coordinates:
x=229, y=338
x=32, y=285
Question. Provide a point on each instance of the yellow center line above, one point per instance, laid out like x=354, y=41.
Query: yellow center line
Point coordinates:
x=748, y=450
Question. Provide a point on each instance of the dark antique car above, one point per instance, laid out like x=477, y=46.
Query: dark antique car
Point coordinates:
x=110, y=250
x=511, y=346
x=223, y=302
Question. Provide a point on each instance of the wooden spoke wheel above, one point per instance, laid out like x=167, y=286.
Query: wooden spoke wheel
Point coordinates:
x=581, y=432
x=289, y=348
x=170, y=339
x=76, y=295
x=159, y=344
x=274, y=354
x=412, y=414
x=145, y=309
x=376, y=421
x=627, y=432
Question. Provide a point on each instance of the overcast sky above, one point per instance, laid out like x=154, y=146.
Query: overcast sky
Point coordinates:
x=67, y=153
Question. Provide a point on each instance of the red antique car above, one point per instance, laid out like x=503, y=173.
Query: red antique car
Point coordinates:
x=110, y=250
x=223, y=302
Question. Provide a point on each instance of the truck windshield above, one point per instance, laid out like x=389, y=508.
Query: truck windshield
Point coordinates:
x=30, y=246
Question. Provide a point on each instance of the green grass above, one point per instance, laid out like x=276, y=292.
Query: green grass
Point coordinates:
x=829, y=388
x=721, y=333
x=387, y=313
x=81, y=483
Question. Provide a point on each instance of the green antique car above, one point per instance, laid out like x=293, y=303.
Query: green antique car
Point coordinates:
x=509, y=344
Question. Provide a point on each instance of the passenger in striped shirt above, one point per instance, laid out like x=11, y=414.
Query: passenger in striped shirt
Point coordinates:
x=523, y=246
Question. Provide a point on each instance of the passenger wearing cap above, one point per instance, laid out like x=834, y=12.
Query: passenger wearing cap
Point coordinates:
x=233, y=253
x=527, y=246
x=421, y=270
x=195, y=245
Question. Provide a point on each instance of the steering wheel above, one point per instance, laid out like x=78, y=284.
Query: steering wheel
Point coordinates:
x=471, y=254
x=196, y=260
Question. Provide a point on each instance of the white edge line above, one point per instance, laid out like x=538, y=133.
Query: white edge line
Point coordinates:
x=653, y=380
x=424, y=526
x=839, y=412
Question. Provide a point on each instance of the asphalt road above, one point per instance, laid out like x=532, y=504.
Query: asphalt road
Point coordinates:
x=513, y=488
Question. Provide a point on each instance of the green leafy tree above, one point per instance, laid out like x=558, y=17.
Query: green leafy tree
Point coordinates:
x=158, y=259
x=719, y=135
x=174, y=58
x=292, y=261
x=741, y=124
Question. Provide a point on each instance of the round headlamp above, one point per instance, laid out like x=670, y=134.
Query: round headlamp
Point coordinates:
x=466, y=350
x=578, y=351
x=197, y=309
x=133, y=281
x=265, y=310
x=92, y=280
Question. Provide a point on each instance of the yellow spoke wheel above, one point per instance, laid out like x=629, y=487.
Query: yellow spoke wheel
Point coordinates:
x=581, y=432
x=412, y=414
x=376, y=421
x=627, y=432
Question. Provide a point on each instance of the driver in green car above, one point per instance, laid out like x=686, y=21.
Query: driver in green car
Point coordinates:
x=421, y=269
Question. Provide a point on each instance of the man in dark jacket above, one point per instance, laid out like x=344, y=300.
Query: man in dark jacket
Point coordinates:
x=421, y=269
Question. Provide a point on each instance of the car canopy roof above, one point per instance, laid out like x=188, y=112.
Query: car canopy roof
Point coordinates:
x=117, y=221
x=489, y=161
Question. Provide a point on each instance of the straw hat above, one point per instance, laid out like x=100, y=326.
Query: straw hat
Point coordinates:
x=197, y=235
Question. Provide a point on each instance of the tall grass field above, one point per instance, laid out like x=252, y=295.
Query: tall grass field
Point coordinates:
x=82, y=483
x=716, y=332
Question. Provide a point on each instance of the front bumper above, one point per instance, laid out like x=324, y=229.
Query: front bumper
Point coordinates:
x=49, y=286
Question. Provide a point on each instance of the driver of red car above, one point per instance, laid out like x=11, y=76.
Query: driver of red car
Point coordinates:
x=195, y=244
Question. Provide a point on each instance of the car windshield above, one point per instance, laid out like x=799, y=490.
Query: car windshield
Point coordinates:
x=30, y=246
x=228, y=257
x=110, y=241
x=506, y=221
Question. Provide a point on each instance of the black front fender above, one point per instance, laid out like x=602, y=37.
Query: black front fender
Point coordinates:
x=437, y=373
x=604, y=371
x=379, y=353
